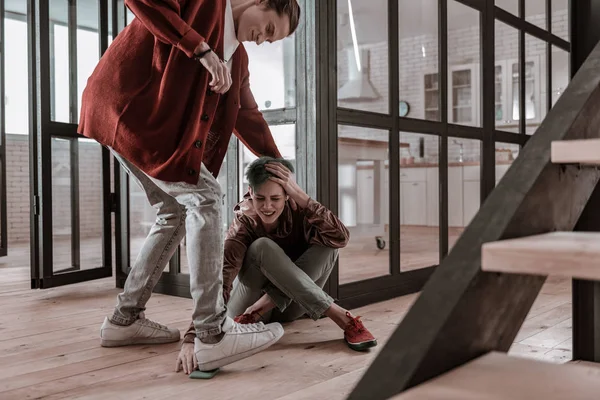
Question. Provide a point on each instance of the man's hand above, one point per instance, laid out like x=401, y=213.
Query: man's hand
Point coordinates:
x=186, y=359
x=221, y=77
x=286, y=179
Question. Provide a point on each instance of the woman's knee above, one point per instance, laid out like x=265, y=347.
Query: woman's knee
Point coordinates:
x=262, y=244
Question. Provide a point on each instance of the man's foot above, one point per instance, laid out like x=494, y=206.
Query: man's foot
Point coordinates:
x=239, y=341
x=251, y=318
x=142, y=331
x=357, y=336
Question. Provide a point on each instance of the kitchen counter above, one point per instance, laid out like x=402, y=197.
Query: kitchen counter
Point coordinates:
x=450, y=164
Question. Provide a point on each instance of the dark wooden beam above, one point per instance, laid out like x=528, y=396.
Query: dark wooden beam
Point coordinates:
x=585, y=33
x=586, y=295
x=463, y=312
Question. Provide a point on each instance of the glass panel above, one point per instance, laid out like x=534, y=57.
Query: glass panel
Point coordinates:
x=363, y=202
x=130, y=16
x=273, y=73
x=419, y=69
x=3, y=199
x=464, y=175
x=535, y=13
x=463, y=65
x=419, y=201
x=16, y=74
x=59, y=60
x=61, y=204
x=560, y=72
x=506, y=153
x=110, y=25
x=536, y=88
x=88, y=46
x=66, y=193
x=506, y=97
x=285, y=139
x=560, y=18
x=512, y=6
x=90, y=203
x=362, y=47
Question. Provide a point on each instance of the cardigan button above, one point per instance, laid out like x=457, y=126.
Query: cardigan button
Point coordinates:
x=205, y=117
x=209, y=92
x=191, y=171
x=198, y=144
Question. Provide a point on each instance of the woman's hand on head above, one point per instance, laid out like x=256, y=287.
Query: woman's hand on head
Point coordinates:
x=287, y=180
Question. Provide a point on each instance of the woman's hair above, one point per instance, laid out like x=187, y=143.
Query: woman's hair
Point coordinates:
x=257, y=174
x=286, y=7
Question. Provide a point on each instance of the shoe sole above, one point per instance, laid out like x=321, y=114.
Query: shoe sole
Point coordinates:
x=211, y=365
x=361, y=346
x=134, y=341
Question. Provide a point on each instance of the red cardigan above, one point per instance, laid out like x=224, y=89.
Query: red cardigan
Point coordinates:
x=150, y=101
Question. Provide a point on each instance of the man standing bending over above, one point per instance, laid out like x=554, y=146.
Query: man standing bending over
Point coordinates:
x=165, y=98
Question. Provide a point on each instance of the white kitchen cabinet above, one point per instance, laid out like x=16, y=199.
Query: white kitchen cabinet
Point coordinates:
x=472, y=173
x=463, y=99
x=463, y=88
x=365, y=189
x=413, y=199
x=507, y=91
x=455, y=196
x=433, y=197
x=500, y=171
x=471, y=200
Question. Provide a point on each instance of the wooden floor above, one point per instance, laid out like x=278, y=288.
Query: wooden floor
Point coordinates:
x=49, y=346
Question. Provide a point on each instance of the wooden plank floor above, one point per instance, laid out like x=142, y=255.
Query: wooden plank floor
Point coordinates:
x=49, y=346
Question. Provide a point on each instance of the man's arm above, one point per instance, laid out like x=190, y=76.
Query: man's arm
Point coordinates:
x=163, y=19
x=251, y=127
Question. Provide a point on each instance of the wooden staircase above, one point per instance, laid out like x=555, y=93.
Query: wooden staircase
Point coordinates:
x=542, y=219
x=497, y=376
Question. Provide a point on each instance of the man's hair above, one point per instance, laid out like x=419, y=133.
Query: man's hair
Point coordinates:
x=257, y=173
x=286, y=7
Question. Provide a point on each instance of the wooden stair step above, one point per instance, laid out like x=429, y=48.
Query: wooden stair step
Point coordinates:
x=586, y=151
x=568, y=254
x=497, y=376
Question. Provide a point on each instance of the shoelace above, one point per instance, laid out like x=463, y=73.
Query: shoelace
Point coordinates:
x=357, y=325
x=152, y=324
x=248, y=328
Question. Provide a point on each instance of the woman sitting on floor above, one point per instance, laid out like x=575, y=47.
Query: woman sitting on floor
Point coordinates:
x=284, y=254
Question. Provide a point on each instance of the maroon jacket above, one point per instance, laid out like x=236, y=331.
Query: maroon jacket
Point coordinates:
x=150, y=101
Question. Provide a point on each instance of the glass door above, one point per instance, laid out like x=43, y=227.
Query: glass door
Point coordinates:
x=70, y=175
x=3, y=196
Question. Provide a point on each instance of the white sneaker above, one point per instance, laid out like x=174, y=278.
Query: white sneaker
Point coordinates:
x=142, y=331
x=239, y=341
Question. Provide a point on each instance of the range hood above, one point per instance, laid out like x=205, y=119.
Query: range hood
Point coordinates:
x=358, y=87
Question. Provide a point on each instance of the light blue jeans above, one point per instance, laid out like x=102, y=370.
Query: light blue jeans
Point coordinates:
x=182, y=209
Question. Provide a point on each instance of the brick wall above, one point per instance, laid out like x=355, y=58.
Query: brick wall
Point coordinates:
x=419, y=55
x=17, y=184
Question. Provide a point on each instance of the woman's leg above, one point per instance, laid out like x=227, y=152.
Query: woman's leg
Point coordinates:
x=267, y=269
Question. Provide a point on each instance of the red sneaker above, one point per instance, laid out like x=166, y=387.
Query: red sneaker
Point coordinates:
x=251, y=318
x=357, y=336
